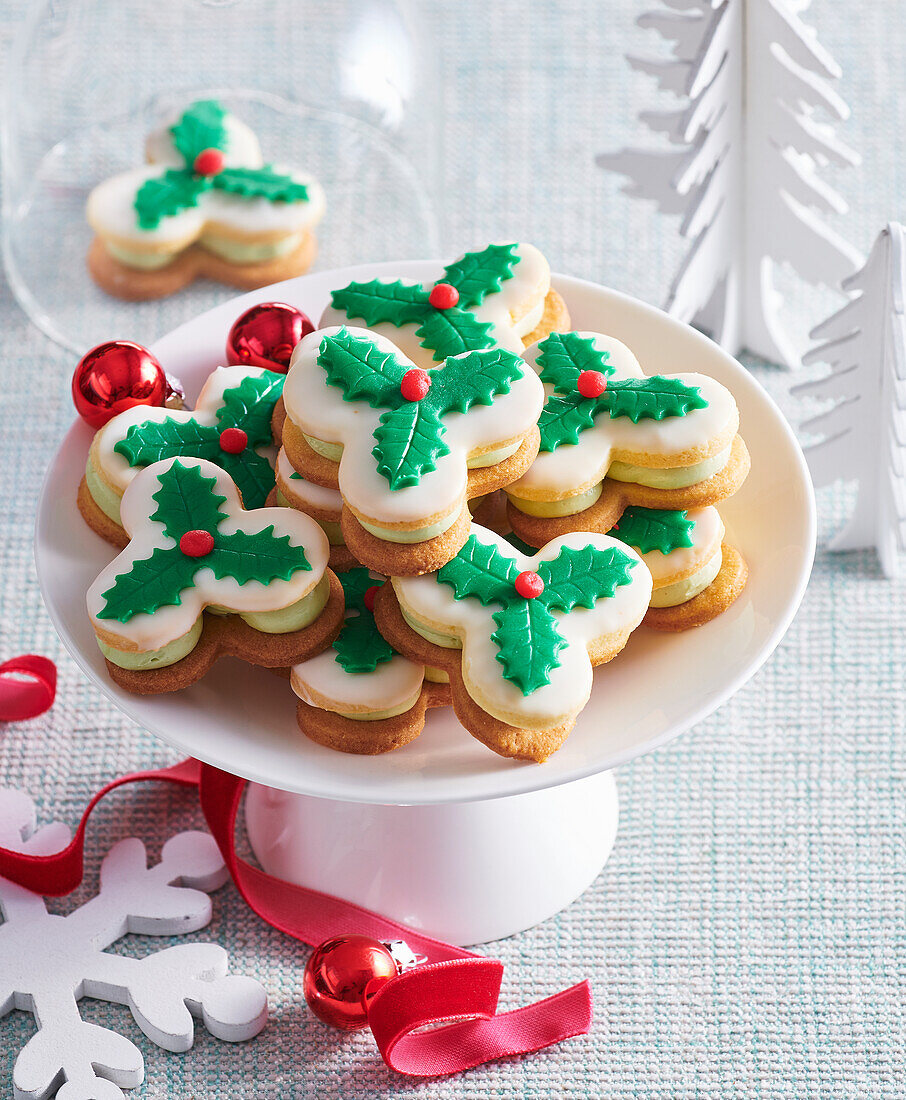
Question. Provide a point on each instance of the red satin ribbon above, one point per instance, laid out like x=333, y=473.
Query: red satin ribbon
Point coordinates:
x=28, y=685
x=454, y=988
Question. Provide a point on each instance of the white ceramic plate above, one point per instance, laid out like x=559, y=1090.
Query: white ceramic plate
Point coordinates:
x=243, y=719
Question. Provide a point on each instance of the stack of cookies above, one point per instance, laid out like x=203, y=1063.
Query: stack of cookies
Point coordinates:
x=471, y=505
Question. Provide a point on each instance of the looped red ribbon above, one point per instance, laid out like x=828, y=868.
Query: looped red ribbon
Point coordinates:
x=28, y=685
x=454, y=988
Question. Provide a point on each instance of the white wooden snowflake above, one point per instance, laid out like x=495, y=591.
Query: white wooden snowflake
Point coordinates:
x=47, y=962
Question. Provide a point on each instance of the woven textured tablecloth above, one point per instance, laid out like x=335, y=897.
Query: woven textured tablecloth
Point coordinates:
x=746, y=938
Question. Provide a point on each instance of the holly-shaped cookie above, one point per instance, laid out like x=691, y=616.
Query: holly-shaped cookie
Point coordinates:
x=499, y=296
x=206, y=185
x=612, y=436
x=230, y=426
x=518, y=634
x=360, y=696
x=193, y=546
x=406, y=447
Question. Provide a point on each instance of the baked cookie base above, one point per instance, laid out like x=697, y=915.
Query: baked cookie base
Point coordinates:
x=555, y=318
x=135, y=285
x=707, y=605
x=335, y=731
x=617, y=496
x=534, y=745
x=99, y=521
x=230, y=636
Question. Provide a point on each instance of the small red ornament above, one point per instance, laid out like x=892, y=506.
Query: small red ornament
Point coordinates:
x=443, y=296
x=368, y=598
x=233, y=441
x=592, y=383
x=209, y=162
x=265, y=335
x=344, y=973
x=529, y=585
x=415, y=384
x=114, y=377
x=195, y=544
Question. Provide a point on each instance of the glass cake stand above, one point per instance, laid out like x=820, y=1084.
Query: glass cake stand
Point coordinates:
x=443, y=834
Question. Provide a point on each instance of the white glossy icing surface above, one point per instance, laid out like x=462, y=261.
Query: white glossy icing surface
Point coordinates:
x=515, y=310
x=320, y=410
x=153, y=631
x=392, y=683
x=300, y=492
x=570, y=684
x=565, y=470
x=114, y=468
x=707, y=535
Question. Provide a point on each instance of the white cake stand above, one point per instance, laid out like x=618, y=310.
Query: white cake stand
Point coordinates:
x=443, y=834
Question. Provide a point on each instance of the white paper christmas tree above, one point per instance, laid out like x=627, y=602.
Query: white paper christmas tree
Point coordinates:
x=865, y=430
x=48, y=962
x=743, y=167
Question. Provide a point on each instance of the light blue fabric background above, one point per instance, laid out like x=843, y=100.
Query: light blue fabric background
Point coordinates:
x=746, y=939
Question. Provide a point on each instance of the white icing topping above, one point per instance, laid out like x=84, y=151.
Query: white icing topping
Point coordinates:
x=431, y=601
x=153, y=631
x=390, y=684
x=301, y=492
x=320, y=410
x=242, y=149
x=707, y=535
x=571, y=466
x=514, y=310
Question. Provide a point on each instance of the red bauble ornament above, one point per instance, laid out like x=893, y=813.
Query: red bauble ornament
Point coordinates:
x=233, y=441
x=265, y=335
x=529, y=585
x=341, y=977
x=591, y=383
x=415, y=384
x=195, y=544
x=443, y=296
x=368, y=598
x=116, y=376
x=209, y=162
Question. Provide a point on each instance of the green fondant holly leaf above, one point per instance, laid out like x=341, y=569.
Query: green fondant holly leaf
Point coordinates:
x=452, y=331
x=579, y=578
x=250, y=405
x=360, y=647
x=527, y=643
x=377, y=302
x=653, y=398
x=474, y=379
x=162, y=196
x=481, y=571
x=649, y=529
x=262, y=556
x=408, y=443
x=151, y=583
x=360, y=369
x=478, y=274
x=563, y=356
x=200, y=127
x=261, y=183
x=253, y=474
x=154, y=440
x=563, y=419
x=187, y=501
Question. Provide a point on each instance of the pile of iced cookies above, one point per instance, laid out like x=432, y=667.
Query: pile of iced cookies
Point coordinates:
x=450, y=499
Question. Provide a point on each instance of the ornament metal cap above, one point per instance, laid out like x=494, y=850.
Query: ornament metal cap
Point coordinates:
x=403, y=955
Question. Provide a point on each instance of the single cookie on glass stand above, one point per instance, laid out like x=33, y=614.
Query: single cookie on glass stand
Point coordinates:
x=203, y=577
x=360, y=696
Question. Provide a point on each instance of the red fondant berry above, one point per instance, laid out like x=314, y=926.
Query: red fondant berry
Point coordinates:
x=529, y=585
x=443, y=296
x=233, y=441
x=415, y=384
x=195, y=544
x=209, y=162
x=368, y=598
x=591, y=383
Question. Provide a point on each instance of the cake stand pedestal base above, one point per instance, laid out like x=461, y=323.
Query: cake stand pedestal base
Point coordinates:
x=463, y=872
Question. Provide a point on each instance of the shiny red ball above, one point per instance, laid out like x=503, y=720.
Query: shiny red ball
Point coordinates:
x=233, y=441
x=592, y=383
x=195, y=544
x=415, y=384
x=341, y=977
x=443, y=296
x=209, y=162
x=368, y=598
x=529, y=585
x=114, y=377
x=265, y=335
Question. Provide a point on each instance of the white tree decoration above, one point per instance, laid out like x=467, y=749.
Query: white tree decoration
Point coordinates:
x=48, y=962
x=743, y=170
x=865, y=431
